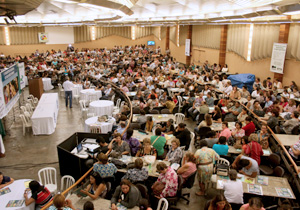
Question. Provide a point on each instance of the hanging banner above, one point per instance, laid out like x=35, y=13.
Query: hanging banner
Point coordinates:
x=278, y=58
x=22, y=75
x=187, y=47
x=43, y=37
x=9, y=89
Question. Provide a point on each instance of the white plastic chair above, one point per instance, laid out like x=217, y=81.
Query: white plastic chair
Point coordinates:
x=27, y=116
x=83, y=108
x=93, y=97
x=118, y=104
x=30, y=101
x=192, y=144
x=47, y=177
x=75, y=94
x=213, y=178
x=25, y=123
x=29, y=108
x=66, y=182
x=163, y=204
x=161, y=92
x=23, y=109
x=95, y=129
x=113, y=98
x=30, y=96
x=179, y=118
x=179, y=103
x=35, y=101
x=170, y=92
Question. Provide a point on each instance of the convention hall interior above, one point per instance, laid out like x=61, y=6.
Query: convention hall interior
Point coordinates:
x=149, y=104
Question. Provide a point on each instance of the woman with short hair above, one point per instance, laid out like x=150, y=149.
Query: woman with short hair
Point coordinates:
x=233, y=190
x=146, y=149
x=175, y=153
x=60, y=203
x=126, y=194
x=254, y=203
x=188, y=166
x=138, y=173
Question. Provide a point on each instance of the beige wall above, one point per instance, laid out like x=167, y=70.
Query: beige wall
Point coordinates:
x=108, y=42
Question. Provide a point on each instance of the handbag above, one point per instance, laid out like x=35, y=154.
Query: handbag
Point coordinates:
x=158, y=187
x=222, y=169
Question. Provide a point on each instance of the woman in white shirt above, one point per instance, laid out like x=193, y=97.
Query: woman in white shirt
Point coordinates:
x=277, y=84
x=225, y=68
x=255, y=92
x=233, y=190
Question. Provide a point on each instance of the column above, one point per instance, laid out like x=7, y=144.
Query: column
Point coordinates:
x=189, y=36
x=283, y=38
x=223, y=42
x=168, y=38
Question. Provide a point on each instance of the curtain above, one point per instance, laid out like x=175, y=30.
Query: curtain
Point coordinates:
x=264, y=35
x=156, y=31
x=293, y=49
x=2, y=36
x=207, y=36
x=173, y=36
x=108, y=31
x=163, y=32
x=143, y=31
x=25, y=35
x=183, y=31
x=82, y=34
x=237, y=39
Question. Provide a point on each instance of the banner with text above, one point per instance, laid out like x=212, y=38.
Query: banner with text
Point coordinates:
x=9, y=89
x=278, y=57
x=187, y=47
x=22, y=75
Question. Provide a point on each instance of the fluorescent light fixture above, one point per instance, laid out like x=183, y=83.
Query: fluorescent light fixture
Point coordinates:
x=292, y=13
x=250, y=42
x=178, y=28
x=133, y=32
x=93, y=30
x=159, y=33
x=7, y=41
x=66, y=1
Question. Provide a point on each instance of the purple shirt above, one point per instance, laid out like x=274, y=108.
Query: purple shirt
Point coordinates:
x=134, y=144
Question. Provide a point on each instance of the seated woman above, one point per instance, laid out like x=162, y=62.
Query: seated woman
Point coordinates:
x=188, y=166
x=295, y=151
x=233, y=190
x=96, y=188
x=219, y=203
x=158, y=142
x=118, y=147
x=254, y=203
x=217, y=115
x=169, y=127
x=147, y=149
x=39, y=194
x=254, y=149
x=149, y=124
x=138, y=173
x=236, y=134
x=169, y=178
x=134, y=143
x=207, y=122
x=175, y=153
x=60, y=203
x=5, y=180
x=104, y=168
x=126, y=194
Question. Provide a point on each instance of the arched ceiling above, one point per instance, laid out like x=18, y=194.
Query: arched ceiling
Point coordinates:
x=146, y=12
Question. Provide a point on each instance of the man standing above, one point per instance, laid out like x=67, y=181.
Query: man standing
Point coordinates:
x=67, y=85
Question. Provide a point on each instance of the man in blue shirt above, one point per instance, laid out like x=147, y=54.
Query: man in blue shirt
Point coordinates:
x=221, y=148
x=5, y=180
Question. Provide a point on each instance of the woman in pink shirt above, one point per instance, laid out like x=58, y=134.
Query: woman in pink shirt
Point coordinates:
x=225, y=132
x=188, y=166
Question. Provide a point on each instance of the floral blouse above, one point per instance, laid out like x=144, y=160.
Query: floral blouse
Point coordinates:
x=170, y=180
x=239, y=134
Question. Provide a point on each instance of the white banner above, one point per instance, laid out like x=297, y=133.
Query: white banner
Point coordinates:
x=187, y=47
x=9, y=89
x=278, y=57
x=22, y=75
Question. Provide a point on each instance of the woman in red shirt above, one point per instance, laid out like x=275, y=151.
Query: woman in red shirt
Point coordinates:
x=254, y=149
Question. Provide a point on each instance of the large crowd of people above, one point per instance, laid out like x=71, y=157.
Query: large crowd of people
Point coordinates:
x=206, y=97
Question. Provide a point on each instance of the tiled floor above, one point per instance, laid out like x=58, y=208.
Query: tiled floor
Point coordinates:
x=26, y=155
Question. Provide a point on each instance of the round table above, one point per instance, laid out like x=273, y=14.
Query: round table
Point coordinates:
x=17, y=190
x=47, y=84
x=105, y=126
x=102, y=107
x=85, y=94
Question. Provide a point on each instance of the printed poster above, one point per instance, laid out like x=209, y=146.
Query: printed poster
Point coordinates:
x=278, y=57
x=187, y=47
x=22, y=75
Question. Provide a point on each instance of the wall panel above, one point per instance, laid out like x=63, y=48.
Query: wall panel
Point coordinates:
x=25, y=35
x=206, y=36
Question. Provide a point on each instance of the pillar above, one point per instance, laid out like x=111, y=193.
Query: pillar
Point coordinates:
x=223, y=42
x=168, y=38
x=283, y=38
x=189, y=36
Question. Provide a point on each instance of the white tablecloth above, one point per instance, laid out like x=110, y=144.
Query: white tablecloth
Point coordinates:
x=44, y=119
x=49, y=98
x=105, y=126
x=84, y=94
x=77, y=87
x=102, y=107
x=47, y=84
x=17, y=190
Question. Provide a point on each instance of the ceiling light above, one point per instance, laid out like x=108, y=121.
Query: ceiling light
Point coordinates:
x=66, y=1
x=292, y=13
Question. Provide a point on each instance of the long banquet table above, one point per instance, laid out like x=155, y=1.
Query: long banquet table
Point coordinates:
x=44, y=117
